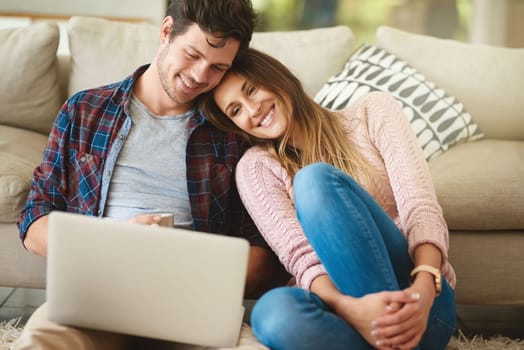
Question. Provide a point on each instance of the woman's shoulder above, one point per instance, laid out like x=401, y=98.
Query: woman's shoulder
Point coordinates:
x=257, y=155
x=258, y=161
x=256, y=151
x=373, y=110
x=374, y=99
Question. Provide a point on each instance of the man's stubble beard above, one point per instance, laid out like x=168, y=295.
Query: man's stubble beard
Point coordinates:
x=168, y=83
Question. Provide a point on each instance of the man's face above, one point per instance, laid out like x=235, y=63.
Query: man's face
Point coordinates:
x=192, y=63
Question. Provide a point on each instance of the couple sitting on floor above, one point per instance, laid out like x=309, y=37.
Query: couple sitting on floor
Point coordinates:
x=343, y=199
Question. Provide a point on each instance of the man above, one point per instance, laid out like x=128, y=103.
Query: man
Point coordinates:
x=141, y=145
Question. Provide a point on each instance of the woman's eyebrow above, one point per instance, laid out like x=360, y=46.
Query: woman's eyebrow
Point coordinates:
x=242, y=90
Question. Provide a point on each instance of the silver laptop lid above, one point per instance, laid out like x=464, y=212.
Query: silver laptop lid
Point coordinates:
x=156, y=282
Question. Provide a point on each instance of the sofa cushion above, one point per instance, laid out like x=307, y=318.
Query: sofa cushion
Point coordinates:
x=313, y=55
x=488, y=80
x=104, y=51
x=20, y=152
x=438, y=120
x=29, y=93
x=480, y=185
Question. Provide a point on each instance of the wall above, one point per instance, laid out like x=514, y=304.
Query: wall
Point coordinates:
x=152, y=10
x=499, y=23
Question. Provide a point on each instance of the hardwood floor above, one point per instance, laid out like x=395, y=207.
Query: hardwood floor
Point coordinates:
x=19, y=302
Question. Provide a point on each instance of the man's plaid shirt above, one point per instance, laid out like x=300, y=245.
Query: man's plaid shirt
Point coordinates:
x=81, y=153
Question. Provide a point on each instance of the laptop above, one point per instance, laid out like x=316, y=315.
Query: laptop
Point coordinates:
x=156, y=282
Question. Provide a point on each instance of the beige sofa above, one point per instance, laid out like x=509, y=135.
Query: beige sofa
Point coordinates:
x=480, y=184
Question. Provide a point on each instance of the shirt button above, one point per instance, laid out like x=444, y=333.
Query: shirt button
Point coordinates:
x=121, y=137
x=83, y=159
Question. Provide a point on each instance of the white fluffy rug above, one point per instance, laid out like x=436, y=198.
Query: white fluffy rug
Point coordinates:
x=9, y=331
x=460, y=342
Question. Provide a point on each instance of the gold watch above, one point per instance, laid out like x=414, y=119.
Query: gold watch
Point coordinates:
x=432, y=270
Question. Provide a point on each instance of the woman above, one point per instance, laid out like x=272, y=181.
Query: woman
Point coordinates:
x=346, y=201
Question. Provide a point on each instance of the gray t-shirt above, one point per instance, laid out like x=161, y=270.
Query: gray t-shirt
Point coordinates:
x=150, y=173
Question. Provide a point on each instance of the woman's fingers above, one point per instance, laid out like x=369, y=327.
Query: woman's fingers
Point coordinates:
x=401, y=296
x=401, y=329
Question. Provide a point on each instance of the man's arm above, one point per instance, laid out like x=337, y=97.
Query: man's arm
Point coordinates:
x=264, y=272
x=36, y=237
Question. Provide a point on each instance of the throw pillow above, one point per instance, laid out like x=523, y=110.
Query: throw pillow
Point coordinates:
x=29, y=94
x=105, y=51
x=297, y=49
x=438, y=120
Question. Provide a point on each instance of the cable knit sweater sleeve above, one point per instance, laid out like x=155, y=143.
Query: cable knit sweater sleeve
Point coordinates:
x=266, y=190
x=403, y=172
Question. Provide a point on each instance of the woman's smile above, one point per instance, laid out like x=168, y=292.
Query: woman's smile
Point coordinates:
x=268, y=118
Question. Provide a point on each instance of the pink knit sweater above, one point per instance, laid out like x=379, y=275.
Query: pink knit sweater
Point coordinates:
x=401, y=181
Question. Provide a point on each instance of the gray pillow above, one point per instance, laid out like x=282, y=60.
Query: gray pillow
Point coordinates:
x=29, y=94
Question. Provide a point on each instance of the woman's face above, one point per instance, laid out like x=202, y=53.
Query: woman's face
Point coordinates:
x=253, y=109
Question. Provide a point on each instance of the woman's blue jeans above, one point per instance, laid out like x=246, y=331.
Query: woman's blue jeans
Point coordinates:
x=363, y=252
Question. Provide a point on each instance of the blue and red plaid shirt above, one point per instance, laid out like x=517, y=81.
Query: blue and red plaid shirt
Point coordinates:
x=81, y=153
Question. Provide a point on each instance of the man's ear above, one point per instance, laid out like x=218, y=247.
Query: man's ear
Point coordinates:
x=165, y=28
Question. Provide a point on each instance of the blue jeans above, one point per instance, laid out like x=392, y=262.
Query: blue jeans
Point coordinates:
x=363, y=252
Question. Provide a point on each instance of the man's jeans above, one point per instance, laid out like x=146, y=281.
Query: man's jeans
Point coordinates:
x=363, y=252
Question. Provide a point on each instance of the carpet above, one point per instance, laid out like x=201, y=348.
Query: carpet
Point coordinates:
x=10, y=331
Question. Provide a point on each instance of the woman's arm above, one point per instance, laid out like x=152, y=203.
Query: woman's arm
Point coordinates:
x=266, y=190
x=419, y=214
x=406, y=174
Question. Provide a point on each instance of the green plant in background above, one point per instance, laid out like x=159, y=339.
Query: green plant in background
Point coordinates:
x=364, y=16
x=276, y=14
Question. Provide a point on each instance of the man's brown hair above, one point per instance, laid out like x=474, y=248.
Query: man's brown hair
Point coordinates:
x=223, y=18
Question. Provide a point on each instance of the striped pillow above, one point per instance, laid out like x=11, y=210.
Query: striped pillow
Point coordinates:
x=438, y=120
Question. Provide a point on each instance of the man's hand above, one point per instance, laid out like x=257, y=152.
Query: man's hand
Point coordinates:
x=146, y=219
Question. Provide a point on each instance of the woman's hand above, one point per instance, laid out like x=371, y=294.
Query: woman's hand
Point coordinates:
x=386, y=320
x=404, y=327
x=362, y=313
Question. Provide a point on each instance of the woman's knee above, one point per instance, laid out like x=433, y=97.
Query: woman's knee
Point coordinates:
x=311, y=186
x=312, y=177
x=279, y=311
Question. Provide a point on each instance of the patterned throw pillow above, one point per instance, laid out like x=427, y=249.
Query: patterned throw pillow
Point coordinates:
x=438, y=120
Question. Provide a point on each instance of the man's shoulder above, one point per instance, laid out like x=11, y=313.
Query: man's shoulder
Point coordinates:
x=97, y=93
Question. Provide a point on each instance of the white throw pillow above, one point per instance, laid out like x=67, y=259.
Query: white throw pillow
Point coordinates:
x=105, y=51
x=313, y=55
x=438, y=119
x=29, y=93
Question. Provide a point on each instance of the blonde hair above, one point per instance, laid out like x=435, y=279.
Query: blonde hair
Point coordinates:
x=324, y=138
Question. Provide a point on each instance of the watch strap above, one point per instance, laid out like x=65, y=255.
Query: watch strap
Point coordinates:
x=432, y=270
